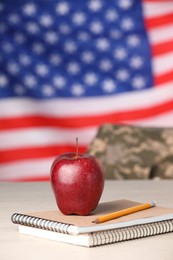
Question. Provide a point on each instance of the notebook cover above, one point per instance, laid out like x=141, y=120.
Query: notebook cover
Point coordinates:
x=103, y=209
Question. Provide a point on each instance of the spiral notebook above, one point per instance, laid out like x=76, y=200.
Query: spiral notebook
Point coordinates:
x=80, y=230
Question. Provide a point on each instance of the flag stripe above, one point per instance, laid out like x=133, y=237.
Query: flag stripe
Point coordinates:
x=161, y=120
x=166, y=77
x=159, y=21
x=10, y=155
x=161, y=34
x=34, y=168
x=159, y=24
x=44, y=136
x=162, y=48
x=36, y=152
x=21, y=166
x=79, y=121
x=43, y=178
x=90, y=106
x=163, y=64
x=157, y=8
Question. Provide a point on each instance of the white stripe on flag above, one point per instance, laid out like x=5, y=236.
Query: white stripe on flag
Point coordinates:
x=162, y=120
x=41, y=137
x=28, y=168
x=163, y=63
x=156, y=9
x=87, y=106
x=161, y=34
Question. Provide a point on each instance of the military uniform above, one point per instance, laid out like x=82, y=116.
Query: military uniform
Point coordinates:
x=130, y=152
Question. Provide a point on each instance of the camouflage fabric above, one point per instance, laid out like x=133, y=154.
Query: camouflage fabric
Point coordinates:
x=129, y=152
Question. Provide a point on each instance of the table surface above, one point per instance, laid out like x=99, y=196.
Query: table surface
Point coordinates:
x=23, y=197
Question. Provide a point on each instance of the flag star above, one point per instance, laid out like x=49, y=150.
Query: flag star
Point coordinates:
x=19, y=38
x=55, y=59
x=87, y=56
x=48, y=90
x=70, y=47
x=105, y=65
x=3, y=80
x=1, y=6
x=3, y=28
x=95, y=5
x=122, y=75
x=29, y=9
x=24, y=59
x=127, y=24
x=51, y=37
x=38, y=48
x=78, y=18
x=120, y=53
x=62, y=8
x=102, y=44
x=64, y=28
x=14, y=18
x=136, y=62
x=90, y=78
x=138, y=82
x=108, y=85
x=46, y=20
x=77, y=89
x=115, y=34
x=111, y=15
x=96, y=27
x=73, y=68
x=42, y=69
x=59, y=82
x=133, y=40
x=125, y=4
x=30, y=81
x=83, y=36
x=32, y=27
x=13, y=68
x=19, y=89
x=7, y=47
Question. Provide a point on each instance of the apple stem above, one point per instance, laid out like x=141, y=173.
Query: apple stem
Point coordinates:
x=77, y=147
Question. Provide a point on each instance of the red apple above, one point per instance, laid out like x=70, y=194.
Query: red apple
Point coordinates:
x=77, y=181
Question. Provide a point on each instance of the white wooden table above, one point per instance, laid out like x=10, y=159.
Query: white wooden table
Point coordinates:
x=21, y=197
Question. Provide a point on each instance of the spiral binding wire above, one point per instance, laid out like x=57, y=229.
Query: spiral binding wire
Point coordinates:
x=40, y=223
x=129, y=233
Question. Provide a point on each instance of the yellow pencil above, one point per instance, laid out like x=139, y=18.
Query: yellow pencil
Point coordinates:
x=124, y=212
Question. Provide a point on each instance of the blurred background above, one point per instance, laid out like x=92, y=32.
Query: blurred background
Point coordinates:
x=67, y=67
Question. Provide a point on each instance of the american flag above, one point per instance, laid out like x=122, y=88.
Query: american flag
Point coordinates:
x=68, y=66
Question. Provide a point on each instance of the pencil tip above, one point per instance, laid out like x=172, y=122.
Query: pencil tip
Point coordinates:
x=96, y=221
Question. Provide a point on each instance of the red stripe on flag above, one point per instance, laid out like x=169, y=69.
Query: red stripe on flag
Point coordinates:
x=44, y=177
x=77, y=122
x=166, y=77
x=11, y=155
x=157, y=1
x=159, y=21
x=162, y=48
